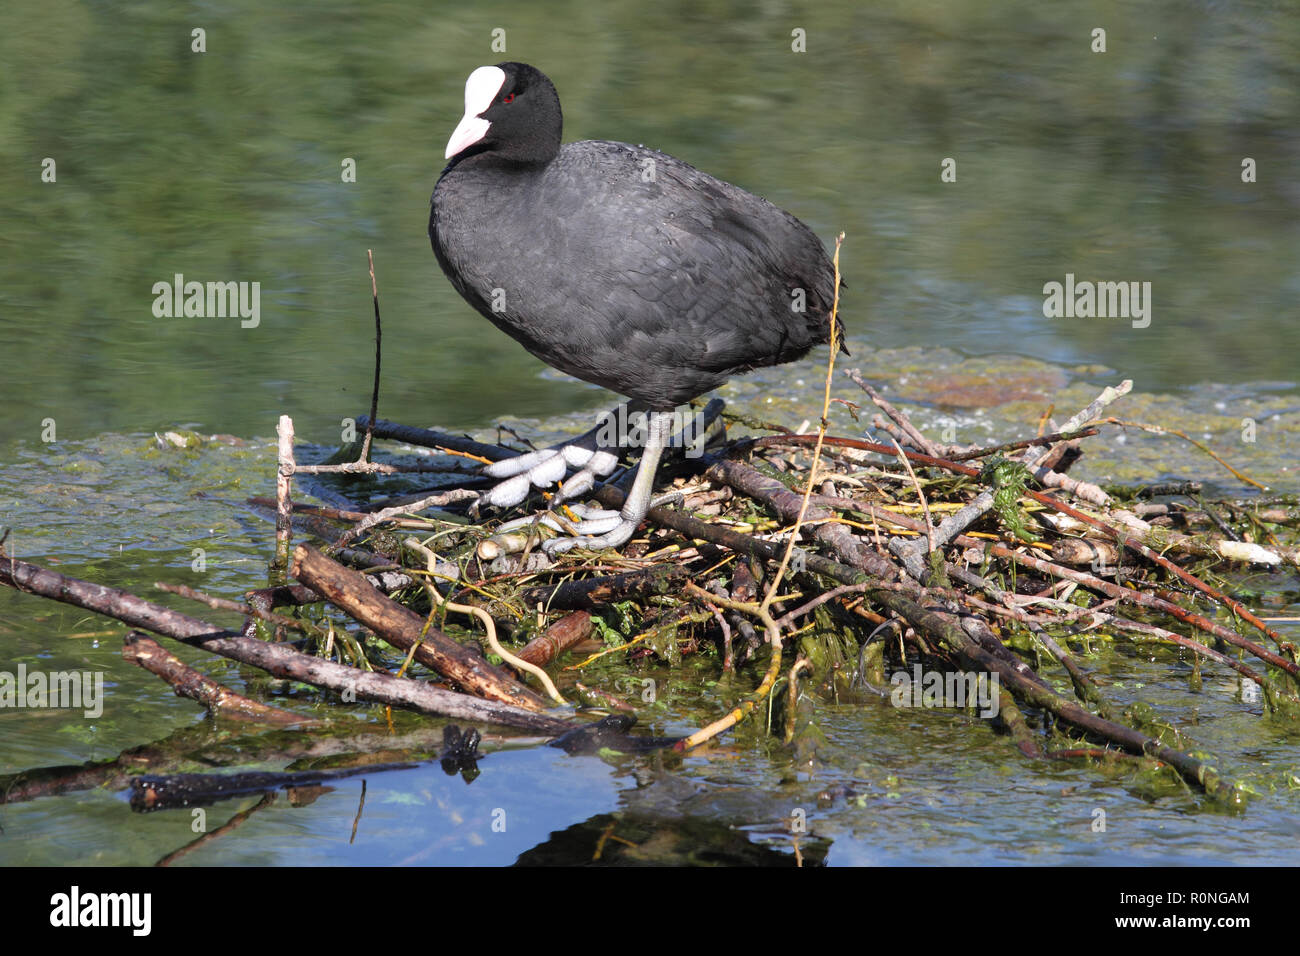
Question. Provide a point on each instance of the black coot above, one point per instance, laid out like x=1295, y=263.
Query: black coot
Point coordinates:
x=618, y=264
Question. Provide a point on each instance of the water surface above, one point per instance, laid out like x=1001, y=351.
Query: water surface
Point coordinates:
x=226, y=166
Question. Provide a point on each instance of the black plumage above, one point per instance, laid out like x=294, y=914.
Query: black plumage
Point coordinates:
x=621, y=265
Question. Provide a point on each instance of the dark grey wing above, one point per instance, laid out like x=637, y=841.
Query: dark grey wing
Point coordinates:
x=695, y=280
x=635, y=271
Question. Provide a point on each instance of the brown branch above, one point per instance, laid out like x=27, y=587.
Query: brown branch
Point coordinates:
x=276, y=659
x=353, y=594
x=145, y=652
x=548, y=647
x=247, y=608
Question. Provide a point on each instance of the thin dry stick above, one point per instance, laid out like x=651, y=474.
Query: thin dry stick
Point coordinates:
x=1109, y=395
x=1161, y=430
x=821, y=435
x=486, y=620
x=246, y=608
x=374, y=394
x=283, y=490
x=925, y=507
x=788, y=619
x=288, y=467
x=410, y=508
x=361, y=805
x=740, y=712
x=922, y=443
x=1023, y=443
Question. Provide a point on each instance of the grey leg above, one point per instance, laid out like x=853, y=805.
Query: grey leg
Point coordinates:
x=595, y=532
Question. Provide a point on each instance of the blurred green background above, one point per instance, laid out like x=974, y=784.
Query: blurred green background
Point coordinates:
x=225, y=165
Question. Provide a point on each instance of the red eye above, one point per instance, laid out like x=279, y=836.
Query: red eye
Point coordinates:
x=508, y=98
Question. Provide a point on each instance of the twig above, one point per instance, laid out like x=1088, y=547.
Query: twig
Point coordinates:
x=833, y=341
x=246, y=608
x=1108, y=395
x=788, y=619
x=432, y=501
x=1162, y=430
x=485, y=619
x=910, y=552
x=919, y=441
x=145, y=652
x=353, y=593
x=739, y=713
x=792, y=702
x=283, y=490
x=374, y=394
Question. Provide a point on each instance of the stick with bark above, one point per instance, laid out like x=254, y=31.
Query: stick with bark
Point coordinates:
x=277, y=660
x=353, y=593
x=142, y=650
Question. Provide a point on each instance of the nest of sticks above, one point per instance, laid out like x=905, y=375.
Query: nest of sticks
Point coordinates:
x=798, y=561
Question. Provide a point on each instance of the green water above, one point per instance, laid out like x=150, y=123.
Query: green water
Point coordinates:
x=225, y=166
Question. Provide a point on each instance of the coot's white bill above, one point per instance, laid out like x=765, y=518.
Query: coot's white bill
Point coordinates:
x=480, y=90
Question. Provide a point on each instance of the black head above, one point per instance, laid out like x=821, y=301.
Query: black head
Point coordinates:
x=512, y=112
